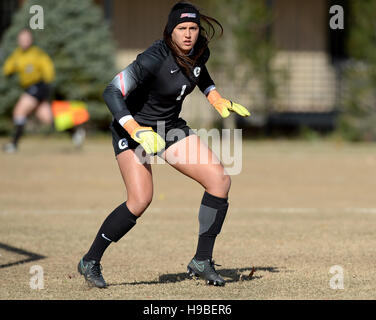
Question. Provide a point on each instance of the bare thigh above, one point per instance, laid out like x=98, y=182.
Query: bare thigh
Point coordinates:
x=195, y=159
x=44, y=112
x=138, y=181
x=25, y=105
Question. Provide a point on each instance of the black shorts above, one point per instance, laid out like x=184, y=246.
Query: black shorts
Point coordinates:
x=122, y=141
x=40, y=91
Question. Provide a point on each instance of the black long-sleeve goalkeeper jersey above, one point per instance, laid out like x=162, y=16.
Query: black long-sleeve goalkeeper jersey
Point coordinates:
x=152, y=88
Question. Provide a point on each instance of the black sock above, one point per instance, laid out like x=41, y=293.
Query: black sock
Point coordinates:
x=19, y=125
x=211, y=217
x=18, y=131
x=205, y=247
x=116, y=225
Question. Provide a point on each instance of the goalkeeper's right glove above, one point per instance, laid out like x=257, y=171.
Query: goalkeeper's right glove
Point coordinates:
x=151, y=141
x=224, y=106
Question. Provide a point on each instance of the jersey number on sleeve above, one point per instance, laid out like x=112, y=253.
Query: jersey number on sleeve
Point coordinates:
x=182, y=92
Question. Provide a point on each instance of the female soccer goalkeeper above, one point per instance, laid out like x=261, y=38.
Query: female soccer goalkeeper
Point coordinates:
x=150, y=91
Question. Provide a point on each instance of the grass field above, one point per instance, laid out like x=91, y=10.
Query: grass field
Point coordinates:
x=296, y=210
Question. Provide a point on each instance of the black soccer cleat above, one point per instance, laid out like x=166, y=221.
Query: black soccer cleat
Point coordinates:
x=10, y=148
x=92, y=271
x=205, y=270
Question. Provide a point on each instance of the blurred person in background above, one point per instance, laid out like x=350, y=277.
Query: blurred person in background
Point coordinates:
x=150, y=91
x=36, y=73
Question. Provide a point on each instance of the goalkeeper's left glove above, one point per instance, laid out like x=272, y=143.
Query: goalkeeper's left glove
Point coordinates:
x=151, y=141
x=224, y=106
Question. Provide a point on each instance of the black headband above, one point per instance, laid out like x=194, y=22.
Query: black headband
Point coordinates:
x=182, y=12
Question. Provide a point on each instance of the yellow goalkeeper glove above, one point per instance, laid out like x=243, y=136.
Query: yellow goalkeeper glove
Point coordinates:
x=151, y=141
x=224, y=106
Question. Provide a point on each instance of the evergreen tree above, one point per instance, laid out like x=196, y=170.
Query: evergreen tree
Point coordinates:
x=358, y=118
x=78, y=40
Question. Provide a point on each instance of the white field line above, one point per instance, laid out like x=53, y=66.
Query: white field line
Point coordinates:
x=264, y=210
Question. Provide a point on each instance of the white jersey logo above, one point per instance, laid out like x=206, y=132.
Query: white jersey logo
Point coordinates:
x=197, y=71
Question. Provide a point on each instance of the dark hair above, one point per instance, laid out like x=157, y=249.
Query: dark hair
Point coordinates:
x=205, y=36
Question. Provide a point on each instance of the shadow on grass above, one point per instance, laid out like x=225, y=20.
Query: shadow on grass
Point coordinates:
x=230, y=275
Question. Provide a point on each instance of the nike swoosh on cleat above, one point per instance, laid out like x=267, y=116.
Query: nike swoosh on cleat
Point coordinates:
x=173, y=71
x=199, y=267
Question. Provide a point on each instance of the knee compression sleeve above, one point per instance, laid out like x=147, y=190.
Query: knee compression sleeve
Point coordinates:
x=212, y=214
x=19, y=121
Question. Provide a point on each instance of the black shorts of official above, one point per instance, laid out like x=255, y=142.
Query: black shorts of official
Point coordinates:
x=122, y=141
x=40, y=91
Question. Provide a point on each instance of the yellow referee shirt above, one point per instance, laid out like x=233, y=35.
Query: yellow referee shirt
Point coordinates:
x=32, y=65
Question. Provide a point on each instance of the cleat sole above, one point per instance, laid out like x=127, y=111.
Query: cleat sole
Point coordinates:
x=191, y=273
